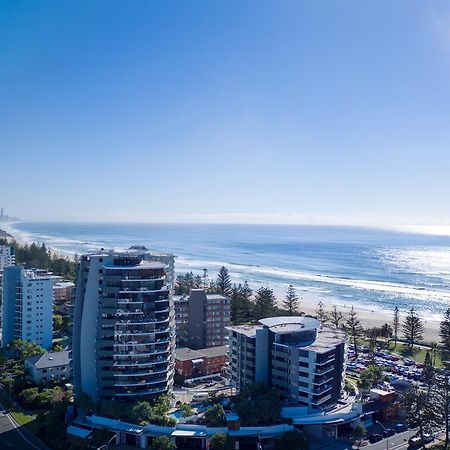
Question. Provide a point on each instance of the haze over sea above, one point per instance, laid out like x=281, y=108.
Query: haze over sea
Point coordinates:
x=368, y=268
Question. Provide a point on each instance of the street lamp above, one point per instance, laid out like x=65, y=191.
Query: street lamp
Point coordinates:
x=386, y=431
x=106, y=446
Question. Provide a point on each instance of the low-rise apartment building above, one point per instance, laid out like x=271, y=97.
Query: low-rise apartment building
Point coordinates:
x=199, y=363
x=201, y=319
x=49, y=366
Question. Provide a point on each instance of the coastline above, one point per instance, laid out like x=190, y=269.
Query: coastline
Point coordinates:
x=370, y=315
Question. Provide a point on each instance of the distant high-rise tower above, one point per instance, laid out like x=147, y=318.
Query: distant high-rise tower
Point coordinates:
x=1, y=214
x=124, y=326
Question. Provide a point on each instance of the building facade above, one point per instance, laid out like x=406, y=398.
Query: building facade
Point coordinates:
x=7, y=256
x=304, y=362
x=27, y=307
x=201, y=319
x=200, y=363
x=63, y=292
x=124, y=327
x=49, y=367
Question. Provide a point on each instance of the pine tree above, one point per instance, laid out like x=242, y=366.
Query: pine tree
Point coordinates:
x=419, y=409
x=428, y=370
x=354, y=327
x=223, y=281
x=321, y=314
x=246, y=294
x=396, y=325
x=264, y=303
x=336, y=317
x=441, y=401
x=444, y=333
x=240, y=303
x=290, y=303
x=412, y=328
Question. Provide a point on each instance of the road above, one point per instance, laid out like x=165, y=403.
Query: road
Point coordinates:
x=13, y=437
x=396, y=442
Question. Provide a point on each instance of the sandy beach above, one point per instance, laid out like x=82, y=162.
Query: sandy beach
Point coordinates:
x=374, y=318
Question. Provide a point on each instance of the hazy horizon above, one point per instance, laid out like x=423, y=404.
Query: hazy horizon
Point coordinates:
x=226, y=112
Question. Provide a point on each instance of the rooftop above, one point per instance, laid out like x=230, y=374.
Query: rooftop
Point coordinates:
x=187, y=354
x=289, y=324
x=212, y=296
x=247, y=330
x=47, y=360
x=327, y=339
x=142, y=265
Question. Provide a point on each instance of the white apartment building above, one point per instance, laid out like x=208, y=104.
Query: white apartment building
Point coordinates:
x=7, y=256
x=27, y=308
x=49, y=367
x=304, y=362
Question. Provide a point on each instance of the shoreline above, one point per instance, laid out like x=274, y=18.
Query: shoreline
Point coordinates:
x=370, y=316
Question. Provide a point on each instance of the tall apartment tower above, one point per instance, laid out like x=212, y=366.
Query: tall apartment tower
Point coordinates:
x=201, y=319
x=27, y=307
x=303, y=362
x=124, y=327
x=7, y=256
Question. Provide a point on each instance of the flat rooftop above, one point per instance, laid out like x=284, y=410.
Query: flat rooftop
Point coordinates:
x=288, y=324
x=247, y=330
x=327, y=339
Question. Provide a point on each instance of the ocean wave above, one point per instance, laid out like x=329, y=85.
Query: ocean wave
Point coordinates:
x=243, y=271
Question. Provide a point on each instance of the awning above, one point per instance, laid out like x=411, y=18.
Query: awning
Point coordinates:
x=188, y=433
x=78, y=432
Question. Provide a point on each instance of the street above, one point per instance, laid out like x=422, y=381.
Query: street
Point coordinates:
x=12, y=437
x=396, y=442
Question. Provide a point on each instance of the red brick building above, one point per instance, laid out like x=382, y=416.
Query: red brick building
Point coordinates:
x=199, y=363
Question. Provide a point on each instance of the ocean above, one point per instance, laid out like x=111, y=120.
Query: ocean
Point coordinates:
x=368, y=268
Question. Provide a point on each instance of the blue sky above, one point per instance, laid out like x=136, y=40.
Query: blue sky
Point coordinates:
x=226, y=111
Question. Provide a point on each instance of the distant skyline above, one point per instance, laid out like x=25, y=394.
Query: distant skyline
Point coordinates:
x=226, y=111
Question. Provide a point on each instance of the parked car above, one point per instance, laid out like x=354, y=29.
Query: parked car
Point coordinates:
x=414, y=442
x=400, y=427
x=388, y=432
x=375, y=438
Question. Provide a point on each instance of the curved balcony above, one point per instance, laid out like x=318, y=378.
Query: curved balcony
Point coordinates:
x=142, y=322
x=128, y=373
x=137, y=343
x=144, y=364
x=134, y=354
x=143, y=290
x=142, y=393
x=141, y=383
x=142, y=333
x=134, y=279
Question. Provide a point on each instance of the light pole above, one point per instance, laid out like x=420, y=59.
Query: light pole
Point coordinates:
x=106, y=446
x=205, y=277
x=386, y=431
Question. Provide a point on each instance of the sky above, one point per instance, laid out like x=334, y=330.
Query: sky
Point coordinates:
x=226, y=111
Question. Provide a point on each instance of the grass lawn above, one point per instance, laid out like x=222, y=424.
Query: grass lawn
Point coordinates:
x=22, y=418
x=417, y=354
